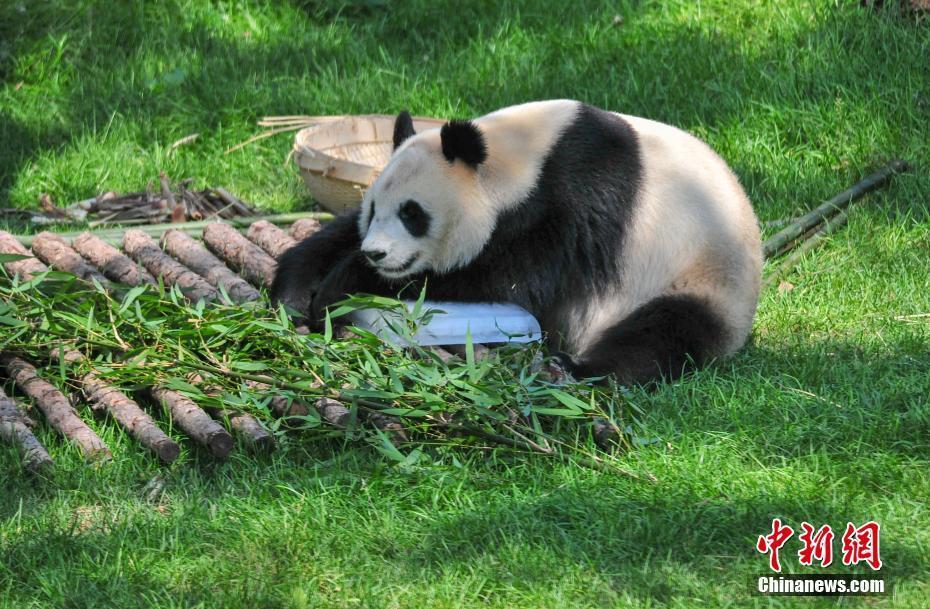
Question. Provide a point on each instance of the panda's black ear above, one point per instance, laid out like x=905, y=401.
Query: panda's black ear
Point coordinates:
x=463, y=140
x=403, y=128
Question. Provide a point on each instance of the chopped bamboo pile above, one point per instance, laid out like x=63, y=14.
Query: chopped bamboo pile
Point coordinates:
x=226, y=261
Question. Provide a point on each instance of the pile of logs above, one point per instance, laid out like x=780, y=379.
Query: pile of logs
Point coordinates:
x=240, y=265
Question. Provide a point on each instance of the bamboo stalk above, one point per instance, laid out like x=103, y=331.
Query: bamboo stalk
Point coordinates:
x=829, y=226
x=832, y=206
x=114, y=235
x=55, y=406
x=15, y=430
x=130, y=416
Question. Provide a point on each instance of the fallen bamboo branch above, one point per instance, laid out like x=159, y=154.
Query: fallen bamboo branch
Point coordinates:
x=270, y=238
x=304, y=227
x=246, y=257
x=26, y=268
x=53, y=251
x=103, y=396
x=789, y=262
x=194, y=421
x=114, y=235
x=14, y=429
x=55, y=406
x=115, y=265
x=835, y=204
x=197, y=258
x=146, y=252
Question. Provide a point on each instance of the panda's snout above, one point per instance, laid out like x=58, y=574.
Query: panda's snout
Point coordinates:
x=374, y=256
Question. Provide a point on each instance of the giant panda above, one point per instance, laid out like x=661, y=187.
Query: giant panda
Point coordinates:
x=631, y=241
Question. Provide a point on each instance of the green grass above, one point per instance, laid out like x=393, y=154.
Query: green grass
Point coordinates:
x=825, y=417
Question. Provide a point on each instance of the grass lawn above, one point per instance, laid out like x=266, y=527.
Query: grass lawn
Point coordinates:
x=824, y=417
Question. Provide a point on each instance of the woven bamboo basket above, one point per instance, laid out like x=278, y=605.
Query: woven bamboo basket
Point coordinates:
x=340, y=157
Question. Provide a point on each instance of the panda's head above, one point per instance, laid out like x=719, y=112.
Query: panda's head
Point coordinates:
x=427, y=211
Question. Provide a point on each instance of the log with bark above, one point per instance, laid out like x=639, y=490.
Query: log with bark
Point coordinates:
x=115, y=265
x=55, y=406
x=14, y=429
x=104, y=396
x=196, y=257
x=26, y=268
x=303, y=228
x=194, y=421
x=146, y=252
x=243, y=255
x=54, y=251
x=270, y=238
x=246, y=427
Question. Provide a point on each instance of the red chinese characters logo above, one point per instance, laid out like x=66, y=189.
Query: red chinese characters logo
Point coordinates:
x=770, y=544
x=860, y=544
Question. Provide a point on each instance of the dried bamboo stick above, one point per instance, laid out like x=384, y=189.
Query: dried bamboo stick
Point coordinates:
x=194, y=421
x=103, y=396
x=789, y=262
x=144, y=250
x=56, y=407
x=114, y=264
x=177, y=209
x=14, y=429
x=270, y=238
x=249, y=259
x=303, y=228
x=24, y=268
x=54, y=251
x=196, y=257
x=832, y=206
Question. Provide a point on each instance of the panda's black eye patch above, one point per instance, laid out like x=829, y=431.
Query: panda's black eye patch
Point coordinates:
x=416, y=220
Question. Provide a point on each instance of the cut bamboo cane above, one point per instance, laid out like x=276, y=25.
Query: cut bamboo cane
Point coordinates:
x=304, y=227
x=25, y=268
x=55, y=406
x=789, y=262
x=103, y=396
x=115, y=265
x=196, y=257
x=270, y=238
x=54, y=251
x=114, y=235
x=14, y=429
x=246, y=427
x=832, y=206
x=146, y=252
x=243, y=255
x=194, y=421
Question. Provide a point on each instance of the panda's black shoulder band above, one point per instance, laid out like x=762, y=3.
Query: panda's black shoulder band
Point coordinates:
x=463, y=140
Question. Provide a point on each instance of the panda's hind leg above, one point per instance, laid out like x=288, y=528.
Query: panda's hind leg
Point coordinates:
x=658, y=340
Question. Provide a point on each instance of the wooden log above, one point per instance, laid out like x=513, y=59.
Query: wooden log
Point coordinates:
x=243, y=255
x=14, y=429
x=104, y=396
x=145, y=251
x=246, y=427
x=196, y=257
x=26, y=268
x=270, y=238
x=114, y=235
x=303, y=228
x=115, y=265
x=333, y=412
x=832, y=206
x=194, y=421
x=54, y=251
x=55, y=406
